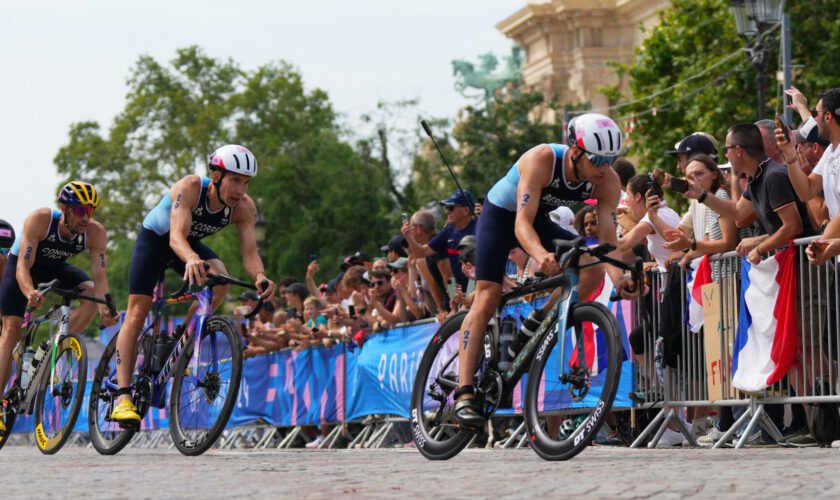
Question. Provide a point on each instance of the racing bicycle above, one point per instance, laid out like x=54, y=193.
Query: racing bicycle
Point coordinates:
x=202, y=359
x=53, y=383
x=573, y=362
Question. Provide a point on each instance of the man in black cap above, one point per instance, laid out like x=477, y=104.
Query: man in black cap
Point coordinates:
x=697, y=142
x=459, y=223
x=395, y=248
x=357, y=259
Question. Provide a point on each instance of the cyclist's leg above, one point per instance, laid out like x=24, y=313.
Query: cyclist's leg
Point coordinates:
x=13, y=305
x=148, y=261
x=494, y=238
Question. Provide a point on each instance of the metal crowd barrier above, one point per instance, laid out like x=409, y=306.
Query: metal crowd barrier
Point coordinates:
x=813, y=378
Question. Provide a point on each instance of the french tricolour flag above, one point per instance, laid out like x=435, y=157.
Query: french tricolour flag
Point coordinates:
x=766, y=341
x=700, y=273
x=595, y=351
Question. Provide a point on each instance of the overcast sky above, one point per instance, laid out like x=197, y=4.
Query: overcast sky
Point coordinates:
x=66, y=61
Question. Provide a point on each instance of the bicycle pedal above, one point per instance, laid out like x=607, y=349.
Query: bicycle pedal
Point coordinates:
x=129, y=425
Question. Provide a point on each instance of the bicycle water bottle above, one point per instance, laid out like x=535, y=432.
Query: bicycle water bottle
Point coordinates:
x=161, y=351
x=25, y=376
x=529, y=327
x=39, y=356
x=507, y=331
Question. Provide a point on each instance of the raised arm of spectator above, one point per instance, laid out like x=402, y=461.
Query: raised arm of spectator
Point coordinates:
x=799, y=103
x=653, y=204
x=416, y=248
x=405, y=302
x=806, y=186
x=310, y=279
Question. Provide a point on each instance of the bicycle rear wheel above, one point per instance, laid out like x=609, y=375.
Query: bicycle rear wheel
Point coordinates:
x=105, y=434
x=436, y=434
x=201, y=403
x=563, y=418
x=61, y=393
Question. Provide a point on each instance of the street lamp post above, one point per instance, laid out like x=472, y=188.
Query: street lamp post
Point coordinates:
x=756, y=21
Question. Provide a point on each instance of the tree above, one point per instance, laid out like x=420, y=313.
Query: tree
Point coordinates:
x=317, y=194
x=696, y=35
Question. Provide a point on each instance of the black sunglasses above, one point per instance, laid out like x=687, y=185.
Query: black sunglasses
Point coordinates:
x=378, y=282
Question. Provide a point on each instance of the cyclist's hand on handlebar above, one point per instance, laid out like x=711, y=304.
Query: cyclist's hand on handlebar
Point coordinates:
x=105, y=316
x=195, y=272
x=548, y=264
x=265, y=287
x=35, y=298
x=627, y=288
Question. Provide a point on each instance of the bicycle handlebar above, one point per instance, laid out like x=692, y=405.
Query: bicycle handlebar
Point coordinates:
x=214, y=279
x=75, y=294
x=568, y=252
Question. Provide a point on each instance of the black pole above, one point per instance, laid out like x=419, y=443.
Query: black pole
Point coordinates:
x=761, y=79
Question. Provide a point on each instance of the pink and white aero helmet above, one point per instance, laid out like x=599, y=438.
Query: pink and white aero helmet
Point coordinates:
x=596, y=134
x=233, y=158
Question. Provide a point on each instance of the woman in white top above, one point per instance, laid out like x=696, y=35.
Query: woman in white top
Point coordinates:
x=647, y=204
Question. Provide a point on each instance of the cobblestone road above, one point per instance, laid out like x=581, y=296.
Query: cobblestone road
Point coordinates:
x=596, y=473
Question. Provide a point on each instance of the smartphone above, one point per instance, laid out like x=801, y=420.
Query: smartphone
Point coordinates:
x=679, y=185
x=404, y=218
x=313, y=256
x=782, y=125
x=352, y=310
x=450, y=287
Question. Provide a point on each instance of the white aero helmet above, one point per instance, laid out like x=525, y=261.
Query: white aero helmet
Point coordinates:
x=596, y=134
x=233, y=158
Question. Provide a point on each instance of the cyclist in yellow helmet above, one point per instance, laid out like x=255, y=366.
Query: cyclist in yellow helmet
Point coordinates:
x=39, y=254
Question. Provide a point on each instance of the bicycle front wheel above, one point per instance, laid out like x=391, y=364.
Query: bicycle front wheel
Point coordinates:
x=436, y=433
x=61, y=393
x=202, y=400
x=567, y=400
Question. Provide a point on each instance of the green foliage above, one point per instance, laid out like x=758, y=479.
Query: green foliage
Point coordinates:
x=696, y=34
x=317, y=194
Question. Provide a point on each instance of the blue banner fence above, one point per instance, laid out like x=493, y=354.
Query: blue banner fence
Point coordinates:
x=344, y=383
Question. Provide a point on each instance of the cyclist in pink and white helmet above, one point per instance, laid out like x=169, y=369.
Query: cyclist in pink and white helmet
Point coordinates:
x=516, y=212
x=194, y=207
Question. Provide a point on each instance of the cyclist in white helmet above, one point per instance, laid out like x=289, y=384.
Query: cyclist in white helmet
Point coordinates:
x=194, y=207
x=516, y=212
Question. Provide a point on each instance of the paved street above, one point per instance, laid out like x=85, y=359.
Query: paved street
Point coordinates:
x=596, y=473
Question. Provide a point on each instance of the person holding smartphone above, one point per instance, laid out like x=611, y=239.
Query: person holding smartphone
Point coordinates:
x=647, y=203
x=721, y=234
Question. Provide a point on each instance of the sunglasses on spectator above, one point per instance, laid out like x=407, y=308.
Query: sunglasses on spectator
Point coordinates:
x=379, y=283
x=81, y=210
x=450, y=208
x=727, y=148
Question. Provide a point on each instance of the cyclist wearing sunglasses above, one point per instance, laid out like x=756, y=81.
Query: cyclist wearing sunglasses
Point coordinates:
x=516, y=211
x=194, y=207
x=49, y=238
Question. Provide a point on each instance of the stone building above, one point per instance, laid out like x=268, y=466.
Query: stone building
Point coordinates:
x=567, y=43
